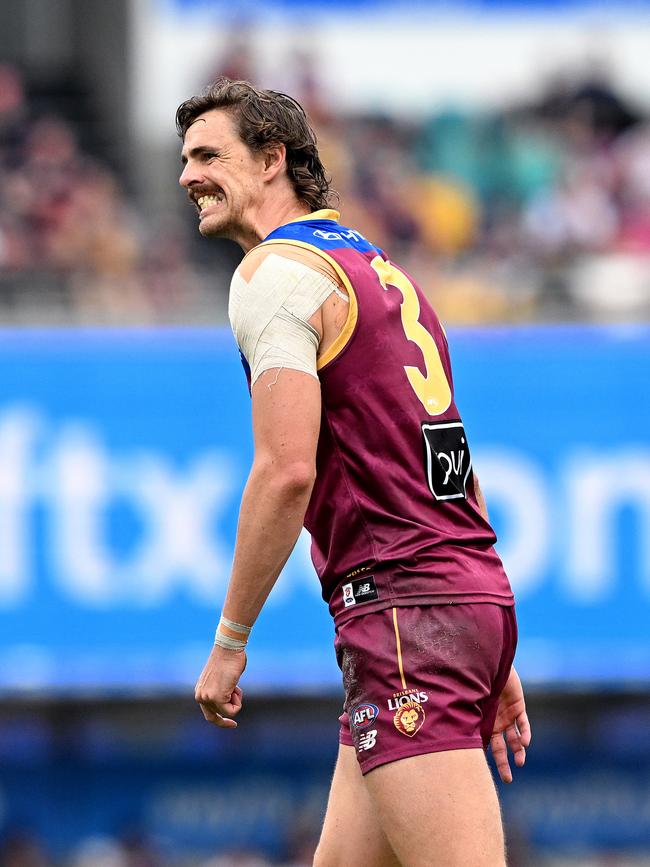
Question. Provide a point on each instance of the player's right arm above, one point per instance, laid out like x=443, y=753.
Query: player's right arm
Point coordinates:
x=277, y=311
x=286, y=422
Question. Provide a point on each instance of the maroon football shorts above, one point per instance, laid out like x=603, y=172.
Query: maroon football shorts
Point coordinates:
x=423, y=678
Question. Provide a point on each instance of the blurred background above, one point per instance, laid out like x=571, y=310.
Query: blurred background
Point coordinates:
x=500, y=151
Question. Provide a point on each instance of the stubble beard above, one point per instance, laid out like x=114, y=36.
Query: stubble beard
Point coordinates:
x=214, y=227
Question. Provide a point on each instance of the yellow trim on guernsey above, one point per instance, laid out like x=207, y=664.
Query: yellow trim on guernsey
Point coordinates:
x=399, y=649
x=323, y=214
x=353, y=313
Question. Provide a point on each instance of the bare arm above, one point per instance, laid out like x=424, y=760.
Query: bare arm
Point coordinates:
x=286, y=423
x=511, y=727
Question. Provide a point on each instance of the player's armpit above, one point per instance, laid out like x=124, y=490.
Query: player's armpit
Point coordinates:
x=330, y=320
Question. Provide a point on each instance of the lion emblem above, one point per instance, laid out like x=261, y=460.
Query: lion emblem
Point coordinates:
x=409, y=718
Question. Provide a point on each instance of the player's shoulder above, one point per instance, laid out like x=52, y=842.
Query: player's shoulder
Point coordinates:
x=272, y=257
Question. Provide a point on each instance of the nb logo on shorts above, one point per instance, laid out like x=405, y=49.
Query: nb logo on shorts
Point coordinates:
x=367, y=740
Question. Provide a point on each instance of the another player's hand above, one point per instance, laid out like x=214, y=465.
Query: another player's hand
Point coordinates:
x=217, y=690
x=511, y=727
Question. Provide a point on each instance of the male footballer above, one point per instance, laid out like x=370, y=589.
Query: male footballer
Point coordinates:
x=358, y=438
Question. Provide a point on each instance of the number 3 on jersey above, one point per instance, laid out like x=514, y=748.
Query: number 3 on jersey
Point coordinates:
x=432, y=390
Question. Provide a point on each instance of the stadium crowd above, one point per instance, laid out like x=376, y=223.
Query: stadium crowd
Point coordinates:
x=24, y=850
x=73, y=247
x=527, y=214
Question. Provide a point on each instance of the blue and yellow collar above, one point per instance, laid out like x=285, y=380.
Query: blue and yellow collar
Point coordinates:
x=323, y=214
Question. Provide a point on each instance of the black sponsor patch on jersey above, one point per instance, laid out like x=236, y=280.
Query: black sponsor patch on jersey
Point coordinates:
x=360, y=590
x=447, y=460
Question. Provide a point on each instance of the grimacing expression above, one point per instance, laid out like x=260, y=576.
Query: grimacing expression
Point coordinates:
x=221, y=174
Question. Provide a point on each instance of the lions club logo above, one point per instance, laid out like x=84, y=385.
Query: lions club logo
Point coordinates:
x=408, y=718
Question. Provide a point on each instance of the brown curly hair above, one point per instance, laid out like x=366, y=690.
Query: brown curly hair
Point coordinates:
x=267, y=117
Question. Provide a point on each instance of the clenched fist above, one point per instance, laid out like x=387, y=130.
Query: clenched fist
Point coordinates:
x=217, y=690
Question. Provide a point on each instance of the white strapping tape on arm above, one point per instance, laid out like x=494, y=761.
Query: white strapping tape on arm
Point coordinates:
x=270, y=314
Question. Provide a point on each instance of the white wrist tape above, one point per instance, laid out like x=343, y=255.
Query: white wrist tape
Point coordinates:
x=231, y=635
x=228, y=643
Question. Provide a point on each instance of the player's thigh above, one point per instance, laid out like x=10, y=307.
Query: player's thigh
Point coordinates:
x=351, y=831
x=440, y=809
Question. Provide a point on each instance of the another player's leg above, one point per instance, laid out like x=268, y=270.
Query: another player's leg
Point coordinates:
x=351, y=832
x=439, y=809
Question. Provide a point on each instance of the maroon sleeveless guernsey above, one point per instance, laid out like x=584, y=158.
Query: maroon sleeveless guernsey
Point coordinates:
x=393, y=515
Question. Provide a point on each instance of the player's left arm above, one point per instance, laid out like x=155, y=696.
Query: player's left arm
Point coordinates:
x=286, y=423
x=511, y=727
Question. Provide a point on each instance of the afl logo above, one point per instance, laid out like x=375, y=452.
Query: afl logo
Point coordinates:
x=363, y=714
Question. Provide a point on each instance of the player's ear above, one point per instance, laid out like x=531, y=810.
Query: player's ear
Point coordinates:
x=275, y=157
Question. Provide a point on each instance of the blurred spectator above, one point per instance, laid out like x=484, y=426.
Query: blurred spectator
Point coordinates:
x=13, y=111
x=68, y=233
x=20, y=849
x=237, y=858
x=302, y=850
x=140, y=852
x=99, y=852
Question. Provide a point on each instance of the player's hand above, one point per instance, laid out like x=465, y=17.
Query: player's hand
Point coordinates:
x=511, y=727
x=217, y=690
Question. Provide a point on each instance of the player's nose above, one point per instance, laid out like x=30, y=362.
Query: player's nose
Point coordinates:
x=189, y=176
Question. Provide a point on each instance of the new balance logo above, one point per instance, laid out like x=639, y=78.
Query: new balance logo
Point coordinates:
x=359, y=590
x=367, y=740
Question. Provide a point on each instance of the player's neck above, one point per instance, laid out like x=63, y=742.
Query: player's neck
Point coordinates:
x=269, y=216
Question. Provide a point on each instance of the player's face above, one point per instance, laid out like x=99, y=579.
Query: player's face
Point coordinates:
x=221, y=175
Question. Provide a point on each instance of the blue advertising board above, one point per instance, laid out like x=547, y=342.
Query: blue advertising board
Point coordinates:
x=259, y=9
x=377, y=6
x=123, y=455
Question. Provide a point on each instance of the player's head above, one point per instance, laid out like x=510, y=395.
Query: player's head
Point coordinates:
x=244, y=147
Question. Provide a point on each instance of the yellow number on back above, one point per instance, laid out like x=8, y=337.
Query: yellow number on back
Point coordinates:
x=432, y=390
